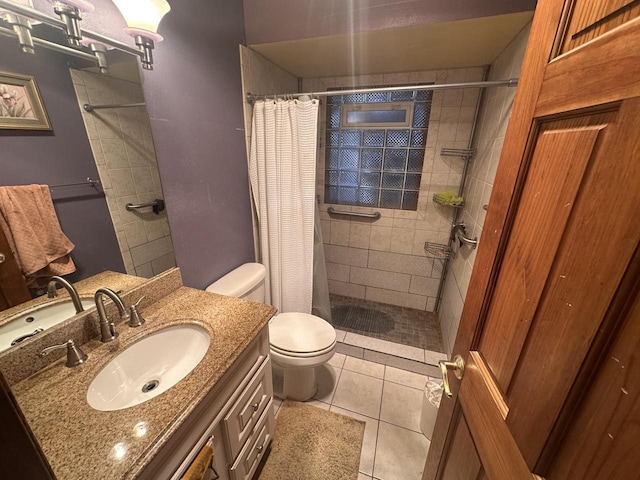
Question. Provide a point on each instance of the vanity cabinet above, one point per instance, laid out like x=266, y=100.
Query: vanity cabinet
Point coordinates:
x=236, y=417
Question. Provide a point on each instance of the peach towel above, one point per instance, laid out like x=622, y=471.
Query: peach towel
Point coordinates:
x=32, y=228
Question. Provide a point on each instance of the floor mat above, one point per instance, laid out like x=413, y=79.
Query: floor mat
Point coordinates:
x=361, y=319
x=313, y=444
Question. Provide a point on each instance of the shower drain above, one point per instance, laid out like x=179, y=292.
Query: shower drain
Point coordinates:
x=149, y=386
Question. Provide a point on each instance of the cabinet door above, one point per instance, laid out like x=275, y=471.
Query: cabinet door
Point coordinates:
x=241, y=419
x=250, y=456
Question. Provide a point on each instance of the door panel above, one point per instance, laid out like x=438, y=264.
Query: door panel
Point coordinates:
x=576, y=80
x=558, y=268
x=546, y=204
x=600, y=442
x=13, y=290
x=588, y=267
x=587, y=19
x=486, y=411
x=464, y=461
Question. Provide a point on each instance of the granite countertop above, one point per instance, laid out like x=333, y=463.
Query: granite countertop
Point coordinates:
x=82, y=443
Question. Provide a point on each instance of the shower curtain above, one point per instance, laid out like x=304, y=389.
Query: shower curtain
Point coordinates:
x=282, y=173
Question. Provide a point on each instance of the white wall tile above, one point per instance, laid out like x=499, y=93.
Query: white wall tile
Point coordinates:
x=380, y=279
x=490, y=128
x=347, y=289
x=392, y=297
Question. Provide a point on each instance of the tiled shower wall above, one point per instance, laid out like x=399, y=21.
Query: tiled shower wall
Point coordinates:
x=384, y=260
x=123, y=151
x=260, y=76
x=491, y=128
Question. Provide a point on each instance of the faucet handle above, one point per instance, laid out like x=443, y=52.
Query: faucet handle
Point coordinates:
x=75, y=356
x=135, y=320
x=139, y=300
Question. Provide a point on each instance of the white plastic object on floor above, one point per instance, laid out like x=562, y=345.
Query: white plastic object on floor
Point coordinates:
x=430, y=405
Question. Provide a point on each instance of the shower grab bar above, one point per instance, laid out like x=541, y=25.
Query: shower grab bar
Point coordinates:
x=157, y=205
x=374, y=215
x=460, y=232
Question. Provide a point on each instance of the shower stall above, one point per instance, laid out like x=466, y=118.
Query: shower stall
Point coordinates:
x=404, y=168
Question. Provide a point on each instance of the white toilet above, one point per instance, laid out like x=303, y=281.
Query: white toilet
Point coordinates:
x=299, y=342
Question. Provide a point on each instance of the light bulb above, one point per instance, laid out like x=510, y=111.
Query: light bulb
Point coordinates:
x=143, y=16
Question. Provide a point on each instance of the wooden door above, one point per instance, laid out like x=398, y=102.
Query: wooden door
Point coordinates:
x=13, y=289
x=550, y=328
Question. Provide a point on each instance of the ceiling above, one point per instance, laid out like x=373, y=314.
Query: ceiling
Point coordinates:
x=439, y=45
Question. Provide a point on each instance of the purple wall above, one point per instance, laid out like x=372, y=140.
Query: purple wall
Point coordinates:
x=194, y=101
x=280, y=20
x=57, y=157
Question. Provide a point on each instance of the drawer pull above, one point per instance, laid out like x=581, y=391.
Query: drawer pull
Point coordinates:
x=255, y=407
x=259, y=448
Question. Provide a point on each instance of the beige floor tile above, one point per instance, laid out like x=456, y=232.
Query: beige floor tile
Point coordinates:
x=368, y=442
x=316, y=403
x=359, y=393
x=400, y=453
x=402, y=377
x=401, y=406
x=362, y=476
x=385, y=346
x=327, y=377
x=433, y=358
x=337, y=360
x=363, y=366
x=340, y=334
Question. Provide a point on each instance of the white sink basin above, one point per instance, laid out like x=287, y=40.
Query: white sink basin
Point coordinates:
x=38, y=318
x=149, y=367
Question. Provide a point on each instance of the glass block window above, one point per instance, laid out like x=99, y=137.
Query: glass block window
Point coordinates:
x=375, y=151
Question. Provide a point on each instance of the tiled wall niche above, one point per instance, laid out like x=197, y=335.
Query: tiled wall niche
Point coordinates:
x=384, y=260
x=123, y=150
x=491, y=129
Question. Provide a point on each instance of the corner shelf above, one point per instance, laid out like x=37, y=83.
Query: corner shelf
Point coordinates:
x=438, y=250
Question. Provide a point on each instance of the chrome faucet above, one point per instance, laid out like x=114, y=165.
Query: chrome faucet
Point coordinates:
x=108, y=329
x=73, y=293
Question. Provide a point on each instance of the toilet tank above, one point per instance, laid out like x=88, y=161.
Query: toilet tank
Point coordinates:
x=246, y=282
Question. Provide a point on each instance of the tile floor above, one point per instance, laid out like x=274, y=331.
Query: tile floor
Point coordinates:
x=389, y=400
x=415, y=328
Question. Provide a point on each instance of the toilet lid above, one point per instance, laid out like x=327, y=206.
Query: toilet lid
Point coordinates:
x=300, y=333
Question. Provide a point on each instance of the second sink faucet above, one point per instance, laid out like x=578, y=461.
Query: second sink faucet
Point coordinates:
x=107, y=328
x=73, y=293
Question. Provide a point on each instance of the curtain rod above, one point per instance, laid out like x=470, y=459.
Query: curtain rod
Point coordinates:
x=512, y=82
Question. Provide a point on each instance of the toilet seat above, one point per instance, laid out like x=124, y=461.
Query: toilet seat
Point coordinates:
x=303, y=355
x=301, y=335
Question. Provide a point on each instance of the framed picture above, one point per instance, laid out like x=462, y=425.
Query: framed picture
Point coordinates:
x=21, y=106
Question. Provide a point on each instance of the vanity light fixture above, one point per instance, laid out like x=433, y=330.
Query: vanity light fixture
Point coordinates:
x=69, y=12
x=21, y=26
x=99, y=51
x=143, y=18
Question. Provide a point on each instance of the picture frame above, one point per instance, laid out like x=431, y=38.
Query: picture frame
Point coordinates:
x=21, y=106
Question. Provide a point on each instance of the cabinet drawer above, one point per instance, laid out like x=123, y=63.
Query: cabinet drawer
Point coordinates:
x=250, y=456
x=245, y=412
